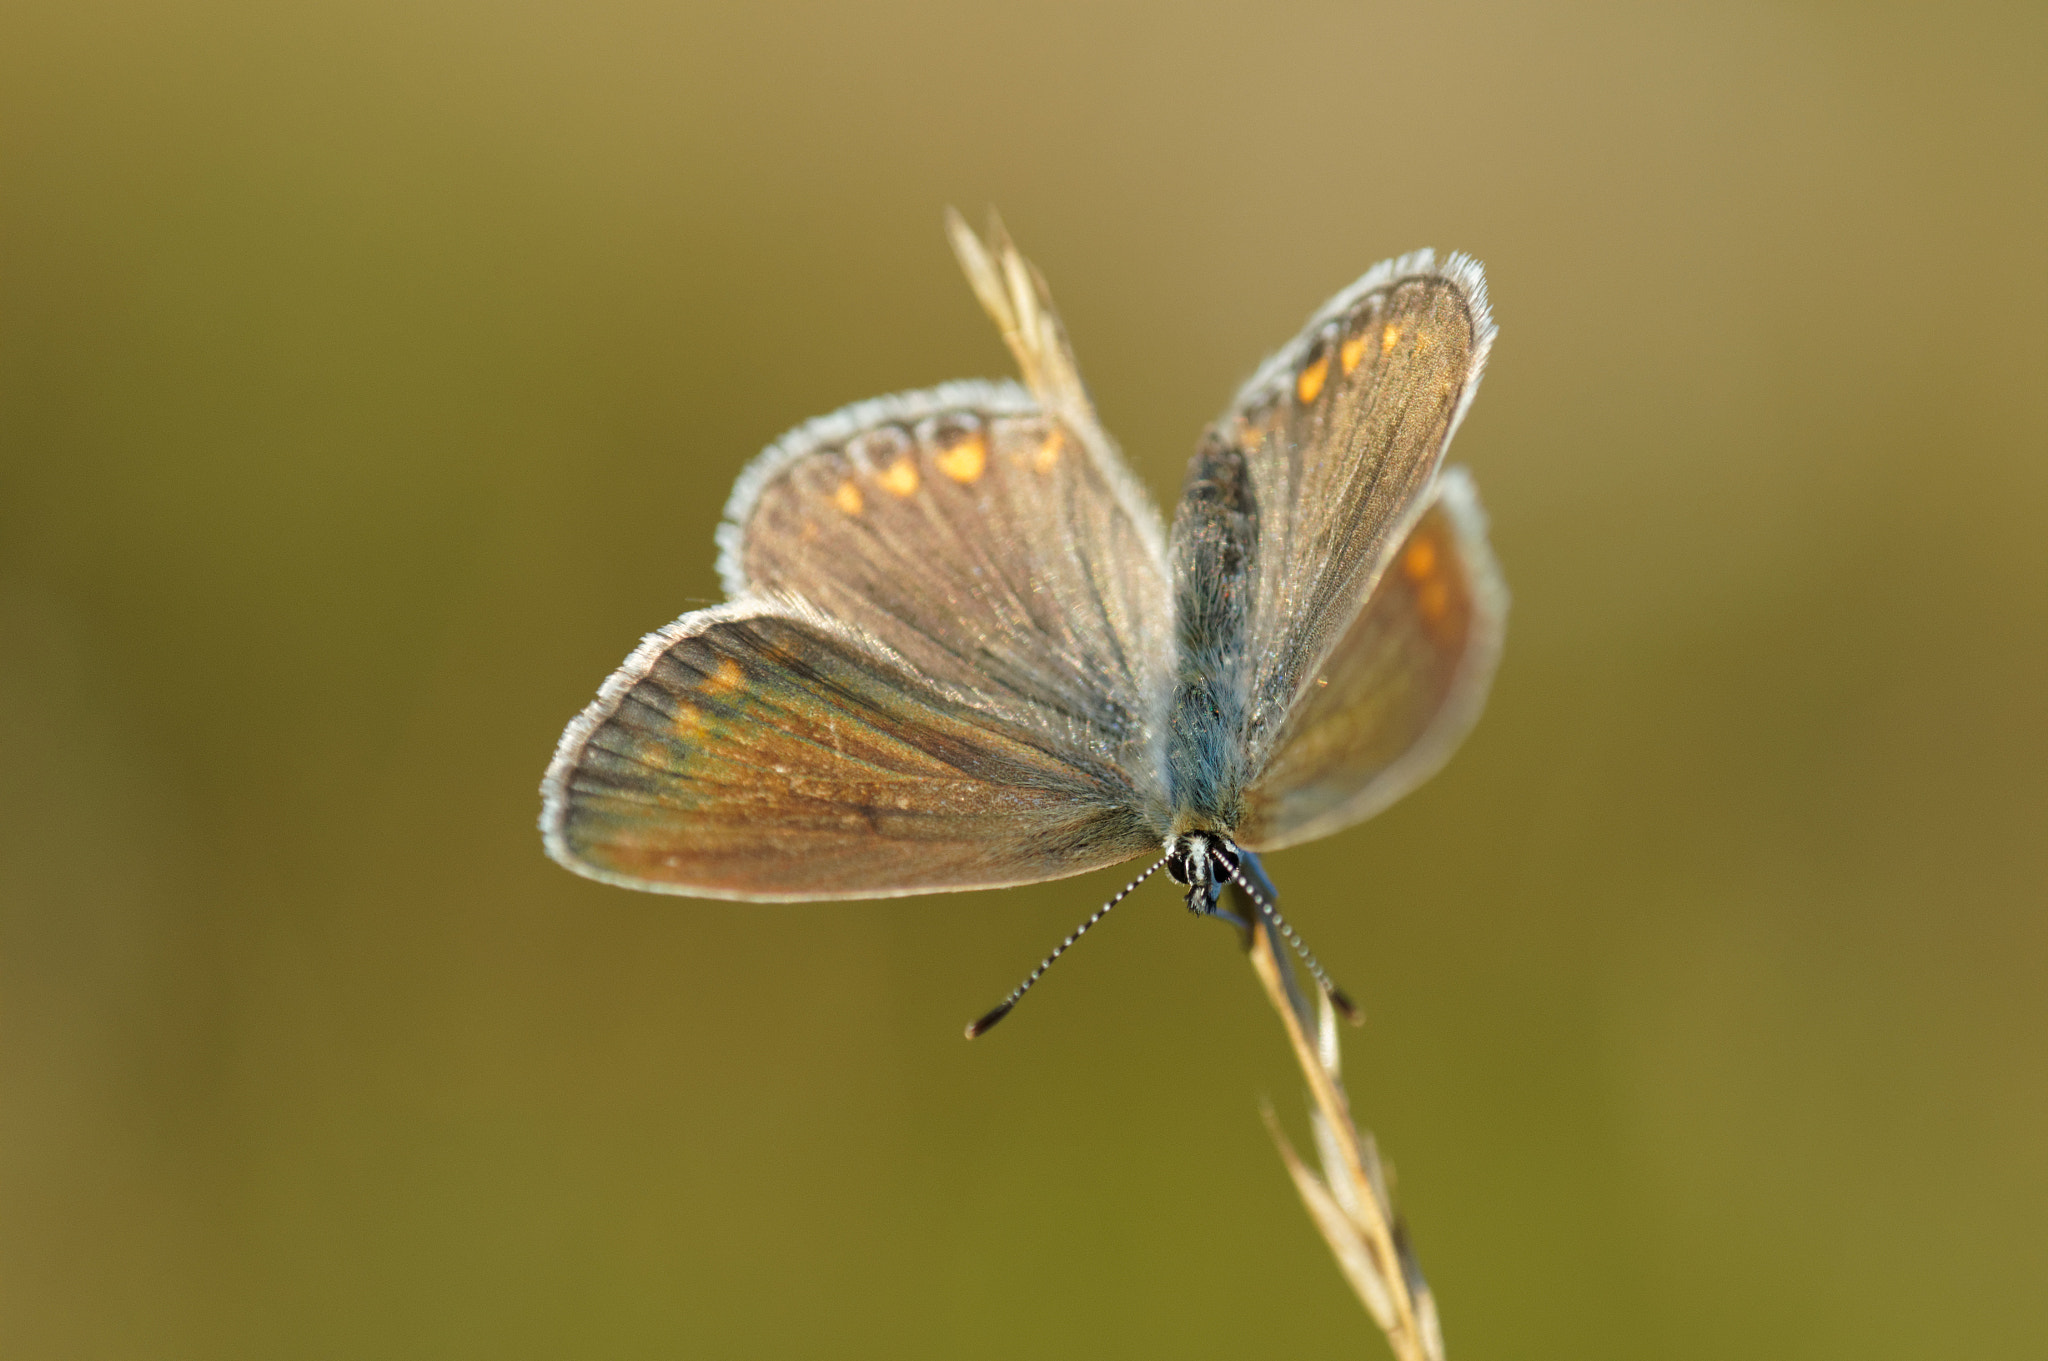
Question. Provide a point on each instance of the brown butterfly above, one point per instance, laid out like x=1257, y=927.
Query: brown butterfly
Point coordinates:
x=960, y=650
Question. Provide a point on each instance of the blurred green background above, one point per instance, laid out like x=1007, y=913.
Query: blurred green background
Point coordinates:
x=372, y=376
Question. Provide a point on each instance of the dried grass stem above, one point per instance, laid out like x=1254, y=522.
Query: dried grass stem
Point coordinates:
x=1349, y=1200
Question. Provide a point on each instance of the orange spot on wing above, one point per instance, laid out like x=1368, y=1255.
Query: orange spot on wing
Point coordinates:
x=1048, y=453
x=1433, y=599
x=964, y=461
x=1418, y=560
x=687, y=722
x=1390, y=337
x=900, y=479
x=1352, y=351
x=725, y=678
x=848, y=498
x=1309, y=385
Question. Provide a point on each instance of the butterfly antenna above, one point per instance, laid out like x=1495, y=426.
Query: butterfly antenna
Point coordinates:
x=982, y=1026
x=1272, y=914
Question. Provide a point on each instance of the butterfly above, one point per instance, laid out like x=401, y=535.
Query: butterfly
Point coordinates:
x=961, y=651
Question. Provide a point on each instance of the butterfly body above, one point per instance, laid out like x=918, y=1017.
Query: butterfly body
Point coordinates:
x=961, y=649
x=1216, y=543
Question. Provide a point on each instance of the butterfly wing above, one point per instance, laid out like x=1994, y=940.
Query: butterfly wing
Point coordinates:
x=982, y=541
x=764, y=751
x=1293, y=508
x=940, y=669
x=1401, y=689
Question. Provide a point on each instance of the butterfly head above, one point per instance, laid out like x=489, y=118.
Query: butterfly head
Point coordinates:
x=1204, y=861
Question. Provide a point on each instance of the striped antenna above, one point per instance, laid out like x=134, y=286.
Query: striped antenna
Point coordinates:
x=1308, y=959
x=982, y=1026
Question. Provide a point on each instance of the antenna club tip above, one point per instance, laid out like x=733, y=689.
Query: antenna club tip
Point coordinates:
x=1346, y=1008
x=976, y=1029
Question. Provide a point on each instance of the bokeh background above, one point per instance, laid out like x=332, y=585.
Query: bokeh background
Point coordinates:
x=372, y=375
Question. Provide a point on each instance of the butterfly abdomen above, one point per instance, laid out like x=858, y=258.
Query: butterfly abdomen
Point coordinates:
x=1215, y=548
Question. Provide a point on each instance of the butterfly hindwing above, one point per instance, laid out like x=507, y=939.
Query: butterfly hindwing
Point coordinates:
x=763, y=751
x=1400, y=690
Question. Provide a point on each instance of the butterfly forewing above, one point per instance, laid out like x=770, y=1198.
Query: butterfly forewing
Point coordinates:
x=983, y=543
x=944, y=671
x=1403, y=685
